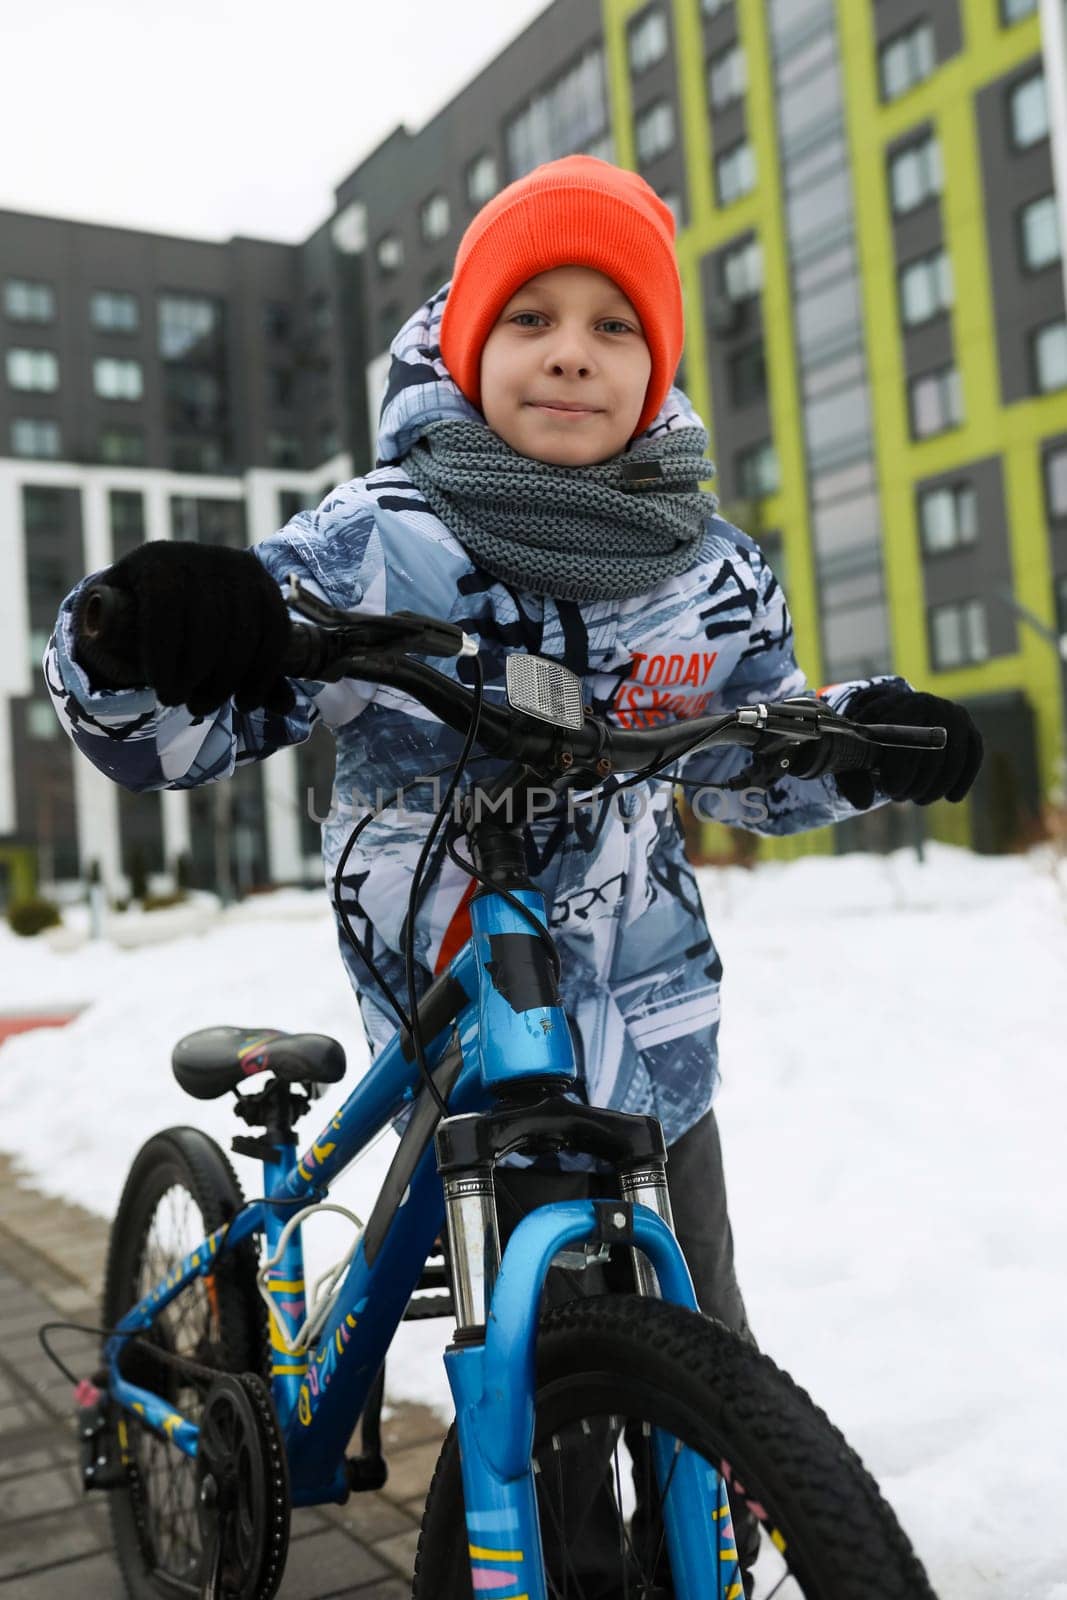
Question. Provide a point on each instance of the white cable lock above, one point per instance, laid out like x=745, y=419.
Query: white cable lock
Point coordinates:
x=322, y=1303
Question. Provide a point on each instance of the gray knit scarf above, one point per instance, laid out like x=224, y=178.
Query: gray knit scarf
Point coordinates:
x=605, y=532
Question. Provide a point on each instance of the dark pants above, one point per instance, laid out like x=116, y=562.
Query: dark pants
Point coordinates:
x=588, y=1546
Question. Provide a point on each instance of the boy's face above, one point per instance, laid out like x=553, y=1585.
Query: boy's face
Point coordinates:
x=565, y=369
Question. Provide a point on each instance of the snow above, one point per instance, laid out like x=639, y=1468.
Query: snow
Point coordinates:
x=892, y=1120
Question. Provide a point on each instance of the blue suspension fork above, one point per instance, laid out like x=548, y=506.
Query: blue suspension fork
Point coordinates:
x=492, y=1373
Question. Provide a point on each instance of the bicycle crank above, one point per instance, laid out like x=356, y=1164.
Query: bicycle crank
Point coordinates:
x=242, y=1481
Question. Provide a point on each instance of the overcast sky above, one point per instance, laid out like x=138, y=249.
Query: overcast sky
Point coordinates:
x=223, y=116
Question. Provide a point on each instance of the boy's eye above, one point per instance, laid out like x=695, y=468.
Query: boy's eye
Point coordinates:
x=520, y=314
x=614, y=324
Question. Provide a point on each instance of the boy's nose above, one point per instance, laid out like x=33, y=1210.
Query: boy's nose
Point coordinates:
x=571, y=358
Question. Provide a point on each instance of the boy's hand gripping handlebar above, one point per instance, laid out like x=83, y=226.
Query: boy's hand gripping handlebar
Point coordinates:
x=333, y=644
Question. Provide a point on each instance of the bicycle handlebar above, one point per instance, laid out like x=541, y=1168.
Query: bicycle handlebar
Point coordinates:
x=333, y=644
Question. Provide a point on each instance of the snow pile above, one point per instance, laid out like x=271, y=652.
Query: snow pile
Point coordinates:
x=892, y=1119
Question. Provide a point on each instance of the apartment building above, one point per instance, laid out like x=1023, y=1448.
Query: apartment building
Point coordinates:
x=156, y=388
x=871, y=198
x=871, y=244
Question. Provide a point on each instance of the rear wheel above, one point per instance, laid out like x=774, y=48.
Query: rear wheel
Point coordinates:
x=180, y=1188
x=611, y=1369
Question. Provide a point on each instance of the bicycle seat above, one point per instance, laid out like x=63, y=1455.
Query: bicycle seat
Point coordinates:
x=214, y=1060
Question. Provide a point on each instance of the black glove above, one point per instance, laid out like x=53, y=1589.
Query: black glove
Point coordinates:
x=920, y=775
x=210, y=624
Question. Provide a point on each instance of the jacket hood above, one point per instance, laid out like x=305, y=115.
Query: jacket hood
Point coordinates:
x=420, y=389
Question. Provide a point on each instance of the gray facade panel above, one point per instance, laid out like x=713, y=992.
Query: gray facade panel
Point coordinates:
x=720, y=30
x=929, y=346
x=978, y=571
x=892, y=17
x=1023, y=301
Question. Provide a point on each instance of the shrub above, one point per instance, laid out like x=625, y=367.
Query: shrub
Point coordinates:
x=138, y=871
x=29, y=916
x=163, y=902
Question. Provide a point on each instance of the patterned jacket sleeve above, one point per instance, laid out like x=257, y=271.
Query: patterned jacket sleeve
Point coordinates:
x=144, y=745
x=767, y=670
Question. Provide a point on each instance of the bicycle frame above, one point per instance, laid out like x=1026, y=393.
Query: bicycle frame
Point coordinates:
x=509, y=1029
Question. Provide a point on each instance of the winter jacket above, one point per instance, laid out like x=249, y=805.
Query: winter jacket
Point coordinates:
x=640, y=973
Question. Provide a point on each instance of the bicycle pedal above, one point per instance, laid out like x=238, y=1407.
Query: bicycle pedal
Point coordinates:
x=101, y=1467
x=365, y=1472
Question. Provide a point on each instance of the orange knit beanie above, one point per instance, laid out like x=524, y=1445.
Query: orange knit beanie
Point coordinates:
x=580, y=212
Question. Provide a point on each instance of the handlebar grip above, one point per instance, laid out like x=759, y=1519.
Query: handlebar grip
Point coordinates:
x=896, y=733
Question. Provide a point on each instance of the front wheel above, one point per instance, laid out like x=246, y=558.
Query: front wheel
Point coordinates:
x=810, y=1519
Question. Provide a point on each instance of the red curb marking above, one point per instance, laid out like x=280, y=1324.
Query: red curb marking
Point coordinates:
x=12, y=1025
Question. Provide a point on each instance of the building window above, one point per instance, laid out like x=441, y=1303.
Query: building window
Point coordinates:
x=209, y=521
x=30, y=436
x=936, y=403
x=735, y=172
x=41, y=720
x=29, y=302
x=126, y=510
x=756, y=471
x=906, y=60
x=742, y=271
x=1028, y=106
x=194, y=398
x=673, y=201
x=958, y=635
x=122, y=447
x=570, y=114
x=111, y=312
x=1039, y=233
x=948, y=517
x=284, y=450
x=1056, y=482
x=727, y=79
x=648, y=40
x=434, y=218
x=186, y=321
x=196, y=455
x=320, y=311
x=281, y=387
x=290, y=503
x=603, y=148
x=915, y=174
x=483, y=179
x=43, y=510
x=117, y=380
x=748, y=374
x=329, y=442
x=925, y=288
x=33, y=370
x=1015, y=10
x=654, y=131
x=1050, y=357
x=389, y=253
x=711, y=8
x=277, y=320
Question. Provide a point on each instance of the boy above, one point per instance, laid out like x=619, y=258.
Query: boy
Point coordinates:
x=522, y=403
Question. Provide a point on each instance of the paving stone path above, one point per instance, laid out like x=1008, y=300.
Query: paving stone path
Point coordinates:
x=54, y=1539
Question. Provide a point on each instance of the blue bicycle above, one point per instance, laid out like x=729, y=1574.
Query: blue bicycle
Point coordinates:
x=610, y=1448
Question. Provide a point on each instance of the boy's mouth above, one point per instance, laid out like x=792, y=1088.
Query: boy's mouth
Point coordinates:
x=564, y=408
